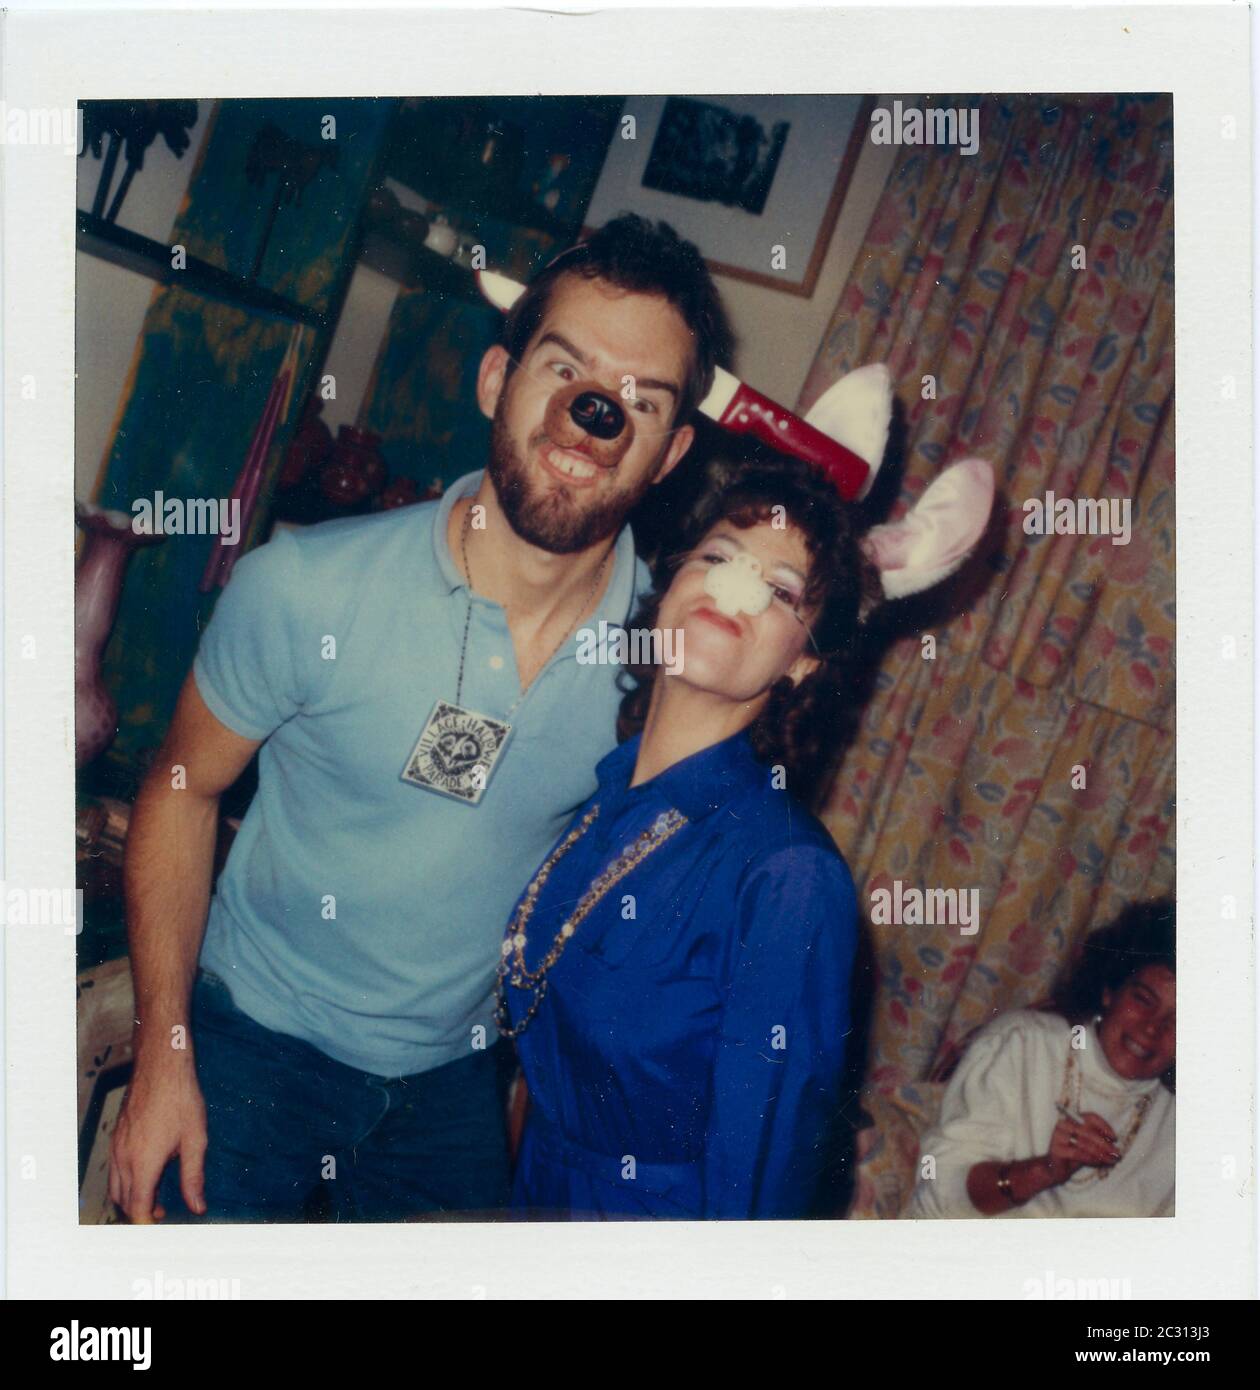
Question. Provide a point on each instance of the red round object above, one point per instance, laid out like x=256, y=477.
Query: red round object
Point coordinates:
x=373, y=471
x=360, y=449
x=342, y=484
x=400, y=493
x=311, y=445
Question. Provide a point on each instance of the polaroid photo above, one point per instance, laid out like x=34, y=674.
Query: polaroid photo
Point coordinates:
x=630, y=661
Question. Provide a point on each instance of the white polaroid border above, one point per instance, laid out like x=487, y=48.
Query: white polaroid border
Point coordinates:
x=51, y=60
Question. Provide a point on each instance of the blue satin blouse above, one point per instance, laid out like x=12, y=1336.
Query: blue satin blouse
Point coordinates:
x=686, y=1058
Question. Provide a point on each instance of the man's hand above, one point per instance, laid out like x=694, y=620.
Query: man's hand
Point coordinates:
x=167, y=873
x=163, y=1117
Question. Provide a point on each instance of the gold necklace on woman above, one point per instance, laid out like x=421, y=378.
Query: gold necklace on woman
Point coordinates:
x=458, y=749
x=1070, y=1097
x=512, y=967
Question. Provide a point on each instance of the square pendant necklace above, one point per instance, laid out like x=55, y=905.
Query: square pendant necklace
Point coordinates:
x=459, y=749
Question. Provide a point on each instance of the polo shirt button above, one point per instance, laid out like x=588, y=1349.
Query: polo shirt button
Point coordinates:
x=496, y=663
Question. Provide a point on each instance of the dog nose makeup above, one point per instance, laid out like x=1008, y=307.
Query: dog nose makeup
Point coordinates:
x=598, y=415
x=584, y=418
x=736, y=586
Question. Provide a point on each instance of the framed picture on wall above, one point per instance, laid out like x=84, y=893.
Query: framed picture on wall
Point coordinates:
x=738, y=175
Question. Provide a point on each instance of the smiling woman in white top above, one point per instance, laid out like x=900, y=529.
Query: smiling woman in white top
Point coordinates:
x=1068, y=1113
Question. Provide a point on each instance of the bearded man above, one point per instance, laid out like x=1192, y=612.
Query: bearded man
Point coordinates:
x=426, y=731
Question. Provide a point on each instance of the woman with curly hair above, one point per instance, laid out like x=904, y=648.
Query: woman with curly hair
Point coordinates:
x=676, y=975
x=1069, y=1111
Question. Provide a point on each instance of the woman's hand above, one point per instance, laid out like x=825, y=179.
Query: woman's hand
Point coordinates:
x=995, y=1187
x=1076, y=1144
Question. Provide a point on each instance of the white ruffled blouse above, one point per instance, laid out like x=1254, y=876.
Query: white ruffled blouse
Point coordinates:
x=1000, y=1105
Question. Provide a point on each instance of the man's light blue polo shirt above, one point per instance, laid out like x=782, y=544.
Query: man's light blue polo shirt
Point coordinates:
x=357, y=911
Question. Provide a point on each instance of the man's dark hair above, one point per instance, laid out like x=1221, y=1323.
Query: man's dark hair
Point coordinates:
x=633, y=254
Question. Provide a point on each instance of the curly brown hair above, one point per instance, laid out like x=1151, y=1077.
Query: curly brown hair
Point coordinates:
x=803, y=726
x=1145, y=933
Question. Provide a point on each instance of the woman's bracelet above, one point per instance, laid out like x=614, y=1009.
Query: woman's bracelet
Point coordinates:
x=1004, y=1185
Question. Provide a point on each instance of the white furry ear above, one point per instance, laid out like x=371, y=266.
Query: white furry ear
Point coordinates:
x=500, y=290
x=856, y=412
x=936, y=536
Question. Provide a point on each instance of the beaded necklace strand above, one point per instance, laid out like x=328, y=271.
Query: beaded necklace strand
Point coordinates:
x=1071, y=1095
x=512, y=967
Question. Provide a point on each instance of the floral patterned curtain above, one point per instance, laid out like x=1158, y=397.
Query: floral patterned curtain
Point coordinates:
x=1033, y=282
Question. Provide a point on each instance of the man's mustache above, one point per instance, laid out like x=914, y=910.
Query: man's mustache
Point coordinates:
x=542, y=440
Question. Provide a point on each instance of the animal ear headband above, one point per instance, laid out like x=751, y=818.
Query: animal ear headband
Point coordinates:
x=844, y=434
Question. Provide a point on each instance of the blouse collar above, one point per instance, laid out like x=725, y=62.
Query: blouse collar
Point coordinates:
x=697, y=785
x=1102, y=1076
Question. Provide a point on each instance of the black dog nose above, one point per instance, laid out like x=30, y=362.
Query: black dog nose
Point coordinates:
x=598, y=415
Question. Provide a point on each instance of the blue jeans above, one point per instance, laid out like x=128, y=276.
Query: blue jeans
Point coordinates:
x=292, y=1131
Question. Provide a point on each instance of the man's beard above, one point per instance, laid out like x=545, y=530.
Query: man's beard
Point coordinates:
x=551, y=520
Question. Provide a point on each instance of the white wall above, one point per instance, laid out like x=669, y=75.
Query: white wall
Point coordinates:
x=359, y=334
x=356, y=341
x=779, y=333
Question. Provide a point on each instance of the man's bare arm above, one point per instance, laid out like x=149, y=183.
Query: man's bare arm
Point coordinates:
x=167, y=874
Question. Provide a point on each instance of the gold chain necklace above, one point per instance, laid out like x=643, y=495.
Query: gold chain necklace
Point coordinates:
x=512, y=967
x=1071, y=1095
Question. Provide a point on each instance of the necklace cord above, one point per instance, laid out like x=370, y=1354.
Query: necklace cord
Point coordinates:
x=1072, y=1093
x=463, y=646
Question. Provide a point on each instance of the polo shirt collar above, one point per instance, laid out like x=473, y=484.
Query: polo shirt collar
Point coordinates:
x=697, y=785
x=618, y=596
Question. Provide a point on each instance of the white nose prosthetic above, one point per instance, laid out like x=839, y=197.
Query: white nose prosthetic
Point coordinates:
x=736, y=586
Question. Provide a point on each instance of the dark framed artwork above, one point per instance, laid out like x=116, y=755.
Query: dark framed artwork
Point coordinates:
x=738, y=175
x=714, y=154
